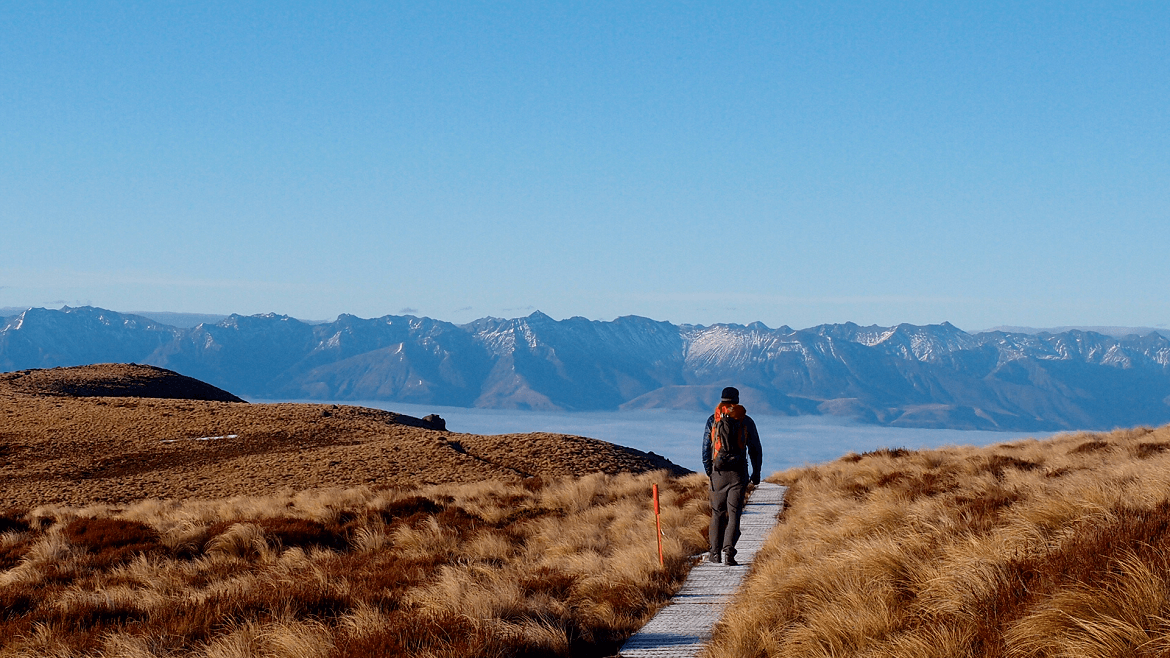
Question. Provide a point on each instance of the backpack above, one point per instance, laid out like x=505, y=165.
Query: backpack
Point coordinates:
x=729, y=439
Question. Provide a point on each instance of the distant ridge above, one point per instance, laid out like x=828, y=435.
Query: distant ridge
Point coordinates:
x=189, y=320
x=181, y=320
x=1115, y=332
x=909, y=376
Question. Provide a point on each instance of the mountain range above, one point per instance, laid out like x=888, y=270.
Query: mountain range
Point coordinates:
x=935, y=376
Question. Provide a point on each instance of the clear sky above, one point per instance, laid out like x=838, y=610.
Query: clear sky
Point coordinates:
x=794, y=163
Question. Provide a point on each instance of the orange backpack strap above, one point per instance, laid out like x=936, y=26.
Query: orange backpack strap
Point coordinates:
x=716, y=445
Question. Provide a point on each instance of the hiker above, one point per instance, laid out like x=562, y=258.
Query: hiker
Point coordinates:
x=728, y=441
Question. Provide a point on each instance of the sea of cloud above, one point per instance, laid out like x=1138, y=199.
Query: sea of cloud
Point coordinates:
x=677, y=435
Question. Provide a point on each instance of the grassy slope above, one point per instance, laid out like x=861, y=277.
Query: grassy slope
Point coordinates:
x=1035, y=548
x=557, y=567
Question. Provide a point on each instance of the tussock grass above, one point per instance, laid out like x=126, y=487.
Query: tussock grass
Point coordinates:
x=1031, y=549
x=557, y=567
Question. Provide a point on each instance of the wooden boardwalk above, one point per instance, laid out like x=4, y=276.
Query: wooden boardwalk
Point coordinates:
x=683, y=627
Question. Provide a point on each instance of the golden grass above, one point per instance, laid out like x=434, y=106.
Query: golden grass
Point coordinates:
x=561, y=567
x=1033, y=549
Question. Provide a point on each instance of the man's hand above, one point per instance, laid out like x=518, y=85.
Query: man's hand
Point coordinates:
x=756, y=478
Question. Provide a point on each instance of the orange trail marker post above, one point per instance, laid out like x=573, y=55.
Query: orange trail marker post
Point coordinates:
x=658, y=525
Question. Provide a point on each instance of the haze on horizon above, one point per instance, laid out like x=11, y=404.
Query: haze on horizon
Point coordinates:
x=797, y=164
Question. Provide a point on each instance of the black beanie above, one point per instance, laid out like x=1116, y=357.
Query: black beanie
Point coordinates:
x=730, y=394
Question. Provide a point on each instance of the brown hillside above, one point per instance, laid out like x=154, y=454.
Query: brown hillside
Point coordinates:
x=57, y=447
x=113, y=380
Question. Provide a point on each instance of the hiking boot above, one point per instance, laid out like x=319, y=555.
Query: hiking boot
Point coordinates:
x=730, y=561
x=714, y=557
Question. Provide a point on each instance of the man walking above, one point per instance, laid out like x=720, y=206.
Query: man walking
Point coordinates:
x=728, y=441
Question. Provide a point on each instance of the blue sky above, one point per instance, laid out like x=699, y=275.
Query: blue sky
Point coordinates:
x=793, y=163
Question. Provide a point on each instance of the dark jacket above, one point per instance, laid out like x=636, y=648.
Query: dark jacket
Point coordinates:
x=755, y=453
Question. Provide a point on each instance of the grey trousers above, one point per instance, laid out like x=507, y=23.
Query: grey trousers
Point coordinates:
x=728, y=489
